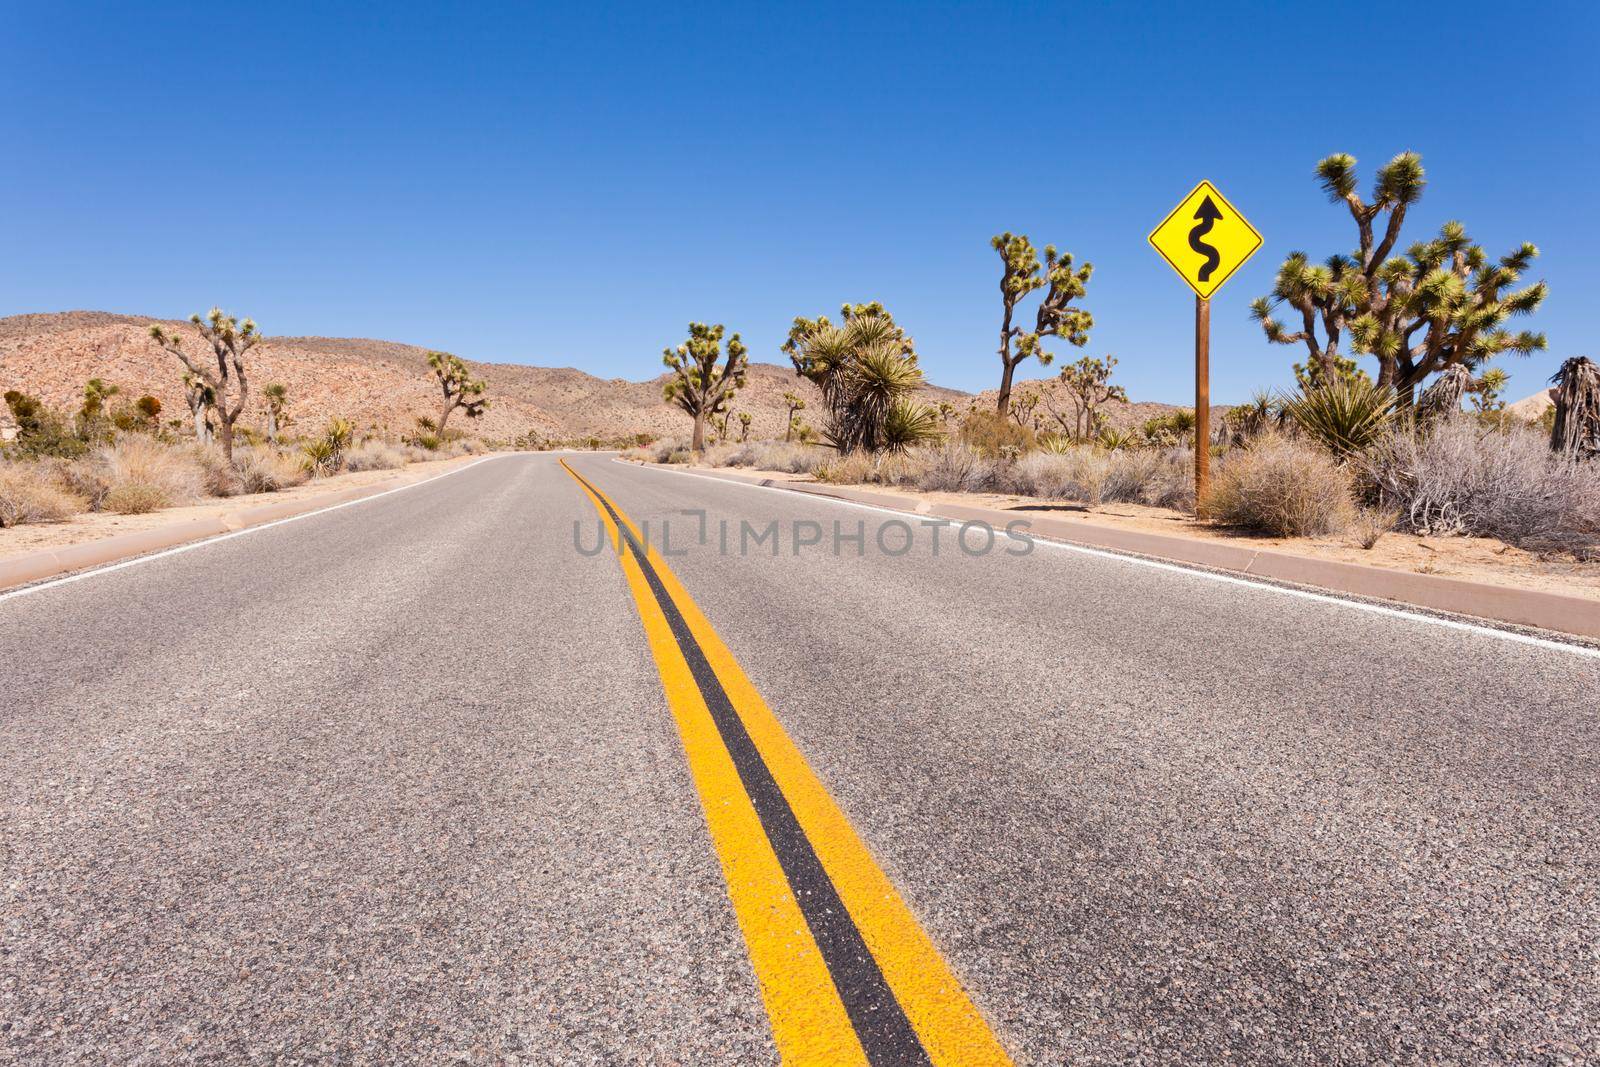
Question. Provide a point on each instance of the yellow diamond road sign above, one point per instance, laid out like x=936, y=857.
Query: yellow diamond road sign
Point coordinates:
x=1205, y=239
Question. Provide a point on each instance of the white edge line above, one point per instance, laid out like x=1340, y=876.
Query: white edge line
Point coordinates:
x=202, y=543
x=1195, y=572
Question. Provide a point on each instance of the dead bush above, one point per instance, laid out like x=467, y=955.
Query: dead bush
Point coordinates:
x=31, y=492
x=1283, y=487
x=952, y=467
x=1075, y=473
x=1463, y=477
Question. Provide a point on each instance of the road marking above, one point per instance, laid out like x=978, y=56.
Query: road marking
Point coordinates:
x=846, y=972
x=1197, y=572
x=192, y=545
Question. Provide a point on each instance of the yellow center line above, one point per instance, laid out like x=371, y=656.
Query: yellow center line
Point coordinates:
x=810, y=1023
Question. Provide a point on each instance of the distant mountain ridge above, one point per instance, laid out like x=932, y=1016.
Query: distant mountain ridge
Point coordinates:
x=381, y=386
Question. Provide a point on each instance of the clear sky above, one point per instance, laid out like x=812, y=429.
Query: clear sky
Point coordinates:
x=570, y=184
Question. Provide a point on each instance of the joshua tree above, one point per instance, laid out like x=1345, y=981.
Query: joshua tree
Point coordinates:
x=1441, y=303
x=277, y=395
x=744, y=426
x=229, y=340
x=459, y=387
x=795, y=405
x=867, y=370
x=96, y=391
x=703, y=382
x=201, y=399
x=1056, y=317
x=1024, y=403
x=1088, y=384
x=1577, y=407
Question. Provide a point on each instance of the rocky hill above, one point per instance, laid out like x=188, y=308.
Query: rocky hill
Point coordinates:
x=382, y=386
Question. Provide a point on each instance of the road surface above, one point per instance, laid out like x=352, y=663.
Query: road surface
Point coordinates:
x=428, y=779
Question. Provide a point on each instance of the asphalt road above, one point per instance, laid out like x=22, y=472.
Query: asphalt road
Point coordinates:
x=400, y=783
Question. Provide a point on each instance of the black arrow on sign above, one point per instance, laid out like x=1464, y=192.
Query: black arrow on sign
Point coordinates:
x=1208, y=214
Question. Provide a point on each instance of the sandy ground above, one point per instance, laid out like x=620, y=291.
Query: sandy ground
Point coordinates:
x=92, y=526
x=1474, y=559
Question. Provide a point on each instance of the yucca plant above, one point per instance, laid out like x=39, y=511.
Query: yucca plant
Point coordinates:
x=865, y=367
x=1114, y=440
x=909, y=423
x=325, y=455
x=1343, y=415
x=1055, y=444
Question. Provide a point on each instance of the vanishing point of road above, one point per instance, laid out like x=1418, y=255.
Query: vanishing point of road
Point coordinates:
x=560, y=760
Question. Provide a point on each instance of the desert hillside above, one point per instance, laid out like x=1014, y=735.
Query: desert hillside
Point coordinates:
x=1055, y=405
x=382, y=386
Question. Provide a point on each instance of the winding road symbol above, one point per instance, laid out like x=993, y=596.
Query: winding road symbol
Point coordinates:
x=1205, y=239
x=1208, y=214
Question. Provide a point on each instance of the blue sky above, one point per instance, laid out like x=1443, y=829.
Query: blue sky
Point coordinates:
x=570, y=184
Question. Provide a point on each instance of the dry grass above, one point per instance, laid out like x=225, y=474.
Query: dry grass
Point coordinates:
x=31, y=492
x=142, y=474
x=264, y=469
x=375, y=456
x=1280, y=486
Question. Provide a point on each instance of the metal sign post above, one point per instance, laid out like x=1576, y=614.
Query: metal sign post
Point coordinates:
x=1205, y=240
x=1202, y=402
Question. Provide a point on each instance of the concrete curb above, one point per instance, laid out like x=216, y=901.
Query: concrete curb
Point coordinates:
x=47, y=563
x=1496, y=603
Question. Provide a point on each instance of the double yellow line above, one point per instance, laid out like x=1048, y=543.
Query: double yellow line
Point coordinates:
x=847, y=974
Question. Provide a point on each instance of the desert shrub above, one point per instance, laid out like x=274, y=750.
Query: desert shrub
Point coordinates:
x=1370, y=524
x=140, y=474
x=220, y=477
x=955, y=467
x=41, y=430
x=137, y=498
x=30, y=492
x=787, y=456
x=1462, y=477
x=374, y=455
x=1176, y=427
x=1074, y=474
x=1156, y=477
x=264, y=469
x=994, y=434
x=680, y=456
x=1280, y=486
x=852, y=468
x=661, y=451
x=729, y=454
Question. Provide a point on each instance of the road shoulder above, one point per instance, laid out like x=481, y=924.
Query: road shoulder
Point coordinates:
x=1559, y=613
x=32, y=553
